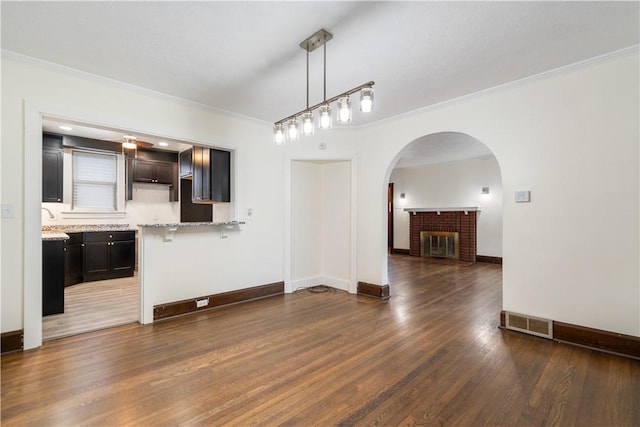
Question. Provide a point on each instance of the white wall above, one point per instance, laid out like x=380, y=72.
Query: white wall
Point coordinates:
x=320, y=223
x=571, y=138
x=31, y=89
x=306, y=221
x=451, y=184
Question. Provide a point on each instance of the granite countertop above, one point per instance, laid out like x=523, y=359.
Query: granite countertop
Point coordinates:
x=79, y=228
x=54, y=235
x=191, y=224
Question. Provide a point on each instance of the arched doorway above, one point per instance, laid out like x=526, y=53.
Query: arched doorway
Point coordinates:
x=444, y=176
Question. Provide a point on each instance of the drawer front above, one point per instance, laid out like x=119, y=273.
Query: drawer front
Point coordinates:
x=108, y=236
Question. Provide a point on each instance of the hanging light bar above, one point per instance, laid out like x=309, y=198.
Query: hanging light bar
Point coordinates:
x=289, y=124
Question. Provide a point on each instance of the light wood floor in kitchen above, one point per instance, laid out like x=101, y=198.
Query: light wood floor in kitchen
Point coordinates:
x=94, y=305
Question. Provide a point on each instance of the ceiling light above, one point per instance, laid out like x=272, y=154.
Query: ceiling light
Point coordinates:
x=325, y=117
x=63, y=127
x=292, y=129
x=366, y=100
x=129, y=142
x=320, y=38
x=344, y=110
x=307, y=123
x=163, y=144
x=278, y=134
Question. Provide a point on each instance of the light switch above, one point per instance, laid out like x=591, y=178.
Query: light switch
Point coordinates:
x=8, y=211
x=523, y=196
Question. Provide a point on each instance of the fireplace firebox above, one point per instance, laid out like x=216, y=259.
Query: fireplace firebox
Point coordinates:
x=440, y=244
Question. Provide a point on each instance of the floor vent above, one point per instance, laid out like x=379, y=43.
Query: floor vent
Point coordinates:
x=530, y=325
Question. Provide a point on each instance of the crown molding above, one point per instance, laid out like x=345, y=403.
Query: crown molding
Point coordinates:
x=51, y=66
x=634, y=49
x=586, y=63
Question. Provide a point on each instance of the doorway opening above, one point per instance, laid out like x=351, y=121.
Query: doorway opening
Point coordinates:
x=445, y=183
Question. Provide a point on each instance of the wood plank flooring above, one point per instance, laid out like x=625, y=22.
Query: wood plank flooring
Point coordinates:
x=94, y=305
x=431, y=355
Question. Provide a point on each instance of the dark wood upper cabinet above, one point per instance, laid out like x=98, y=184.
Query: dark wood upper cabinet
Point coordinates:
x=52, y=168
x=185, y=163
x=220, y=176
x=211, y=175
x=153, y=172
x=201, y=168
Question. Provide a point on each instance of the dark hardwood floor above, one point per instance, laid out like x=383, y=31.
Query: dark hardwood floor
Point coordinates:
x=431, y=355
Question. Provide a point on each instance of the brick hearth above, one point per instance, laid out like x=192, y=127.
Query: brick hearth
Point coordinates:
x=453, y=221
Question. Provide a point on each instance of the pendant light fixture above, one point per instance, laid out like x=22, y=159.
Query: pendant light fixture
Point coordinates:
x=344, y=110
x=278, y=134
x=292, y=129
x=289, y=125
x=129, y=142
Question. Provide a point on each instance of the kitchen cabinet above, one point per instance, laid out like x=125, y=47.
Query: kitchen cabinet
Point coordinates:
x=52, y=277
x=192, y=212
x=73, y=248
x=211, y=175
x=185, y=163
x=220, y=175
x=201, y=178
x=153, y=172
x=108, y=255
x=52, y=168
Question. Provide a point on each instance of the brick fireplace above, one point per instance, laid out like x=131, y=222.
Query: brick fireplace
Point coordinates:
x=458, y=220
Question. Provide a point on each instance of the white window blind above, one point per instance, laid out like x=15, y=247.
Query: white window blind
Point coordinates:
x=94, y=181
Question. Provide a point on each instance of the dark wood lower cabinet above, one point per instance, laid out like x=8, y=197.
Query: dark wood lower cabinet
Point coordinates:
x=109, y=255
x=73, y=249
x=52, y=277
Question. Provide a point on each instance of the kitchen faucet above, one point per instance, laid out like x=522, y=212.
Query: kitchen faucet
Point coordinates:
x=51, y=216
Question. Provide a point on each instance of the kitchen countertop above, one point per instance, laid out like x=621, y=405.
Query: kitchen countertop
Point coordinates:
x=191, y=224
x=54, y=235
x=79, y=228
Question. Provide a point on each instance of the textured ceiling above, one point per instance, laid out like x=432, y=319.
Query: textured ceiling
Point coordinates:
x=244, y=57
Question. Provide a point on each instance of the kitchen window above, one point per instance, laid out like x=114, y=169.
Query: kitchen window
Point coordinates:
x=95, y=182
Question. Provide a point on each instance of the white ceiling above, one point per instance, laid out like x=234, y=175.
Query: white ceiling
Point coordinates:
x=441, y=148
x=244, y=57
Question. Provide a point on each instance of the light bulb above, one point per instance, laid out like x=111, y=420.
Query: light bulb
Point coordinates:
x=366, y=100
x=278, y=134
x=344, y=110
x=325, y=117
x=307, y=123
x=292, y=129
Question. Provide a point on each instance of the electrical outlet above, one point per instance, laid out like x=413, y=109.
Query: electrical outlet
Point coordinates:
x=202, y=302
x=8, y=211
